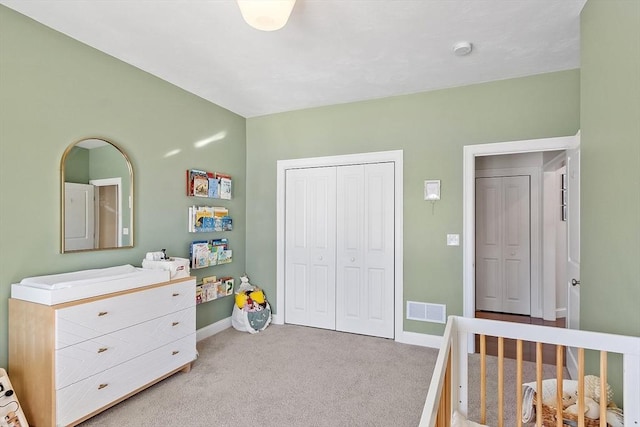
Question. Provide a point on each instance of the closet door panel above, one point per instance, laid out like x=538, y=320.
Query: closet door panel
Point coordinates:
x=488, y=244
x=517, y=247
x=364, y=301
x=310, y=247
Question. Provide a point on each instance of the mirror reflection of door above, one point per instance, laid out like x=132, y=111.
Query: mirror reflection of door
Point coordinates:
x=79, y=218
x=107, y=212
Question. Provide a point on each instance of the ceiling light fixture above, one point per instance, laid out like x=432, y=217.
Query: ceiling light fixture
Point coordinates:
x=266, y=15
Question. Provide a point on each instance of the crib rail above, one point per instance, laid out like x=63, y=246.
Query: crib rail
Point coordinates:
x=448, y=390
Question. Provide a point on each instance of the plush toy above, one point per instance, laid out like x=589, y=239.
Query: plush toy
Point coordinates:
x=568, y=399
x=591, y=409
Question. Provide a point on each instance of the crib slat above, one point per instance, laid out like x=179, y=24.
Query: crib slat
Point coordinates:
x=539, y=384
x=483, y=379
x=559, y=367
x=519, y=383
x=603, y=389
x=500, y=381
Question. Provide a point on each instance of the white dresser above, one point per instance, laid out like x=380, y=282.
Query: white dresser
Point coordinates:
x=72, y=360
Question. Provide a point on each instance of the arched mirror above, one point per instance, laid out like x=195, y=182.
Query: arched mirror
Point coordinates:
x=97, y=197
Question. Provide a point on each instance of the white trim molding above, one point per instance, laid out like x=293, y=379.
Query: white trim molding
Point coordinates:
x=470, y=152
x=396, y=157
x=212, y=329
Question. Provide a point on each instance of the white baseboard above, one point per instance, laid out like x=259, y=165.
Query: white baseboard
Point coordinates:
x=212, y=329
x=413, y=338
x=277, y=320
x=422, y=340
x=561, y=312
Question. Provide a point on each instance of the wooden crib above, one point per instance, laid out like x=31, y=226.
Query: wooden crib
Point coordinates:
x=448, y=390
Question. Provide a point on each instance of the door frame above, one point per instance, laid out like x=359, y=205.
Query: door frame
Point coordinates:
x=470, y=152
x=396, y=157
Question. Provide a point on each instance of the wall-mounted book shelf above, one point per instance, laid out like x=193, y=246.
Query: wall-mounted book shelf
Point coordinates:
x=208, y=253
x=212, y=185
x=213, y=288
x=204, y=219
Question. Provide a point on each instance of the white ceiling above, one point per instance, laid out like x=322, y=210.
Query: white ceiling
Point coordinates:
x=330, y=51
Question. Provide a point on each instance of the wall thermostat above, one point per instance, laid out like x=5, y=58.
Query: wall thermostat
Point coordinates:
x=432, y=189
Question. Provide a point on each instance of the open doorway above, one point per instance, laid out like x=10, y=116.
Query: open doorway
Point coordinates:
x=543, y=148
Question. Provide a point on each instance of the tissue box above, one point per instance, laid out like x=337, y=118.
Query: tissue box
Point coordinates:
x=177, y=267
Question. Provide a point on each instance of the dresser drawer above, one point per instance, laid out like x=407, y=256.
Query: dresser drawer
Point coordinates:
x=89, y=395
x=87, y=358
x=89, y=320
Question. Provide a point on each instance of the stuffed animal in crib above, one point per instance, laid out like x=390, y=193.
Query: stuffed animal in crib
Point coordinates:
x=568, y=399
x=591, y=409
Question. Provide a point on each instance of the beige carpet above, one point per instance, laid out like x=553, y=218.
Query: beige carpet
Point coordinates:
x=287, y=376
x=297, y=376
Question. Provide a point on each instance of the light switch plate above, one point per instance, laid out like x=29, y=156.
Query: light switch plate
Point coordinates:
x=453, y=240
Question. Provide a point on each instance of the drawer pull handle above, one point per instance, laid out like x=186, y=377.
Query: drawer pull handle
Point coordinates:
x=101, y=386
x=103, y=313
x=175, y=352
x=176, y=294
x=175, y=323
x=102, y=349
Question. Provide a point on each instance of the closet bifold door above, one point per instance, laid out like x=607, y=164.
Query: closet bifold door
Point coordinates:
x=365, y=249
x=310, y=242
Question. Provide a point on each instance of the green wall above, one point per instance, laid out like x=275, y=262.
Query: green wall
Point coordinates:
x=54, y=91
x=432, y=129
x=610, y=170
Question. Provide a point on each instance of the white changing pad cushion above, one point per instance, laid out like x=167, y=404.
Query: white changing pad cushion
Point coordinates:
x=64, y=287
x=80, y=278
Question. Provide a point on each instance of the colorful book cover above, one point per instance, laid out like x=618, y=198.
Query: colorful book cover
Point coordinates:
x=199, y=254
x=228, y=283
x=214, y=186
x=200, y=183
x=203, y=220
x=225, y=185
x=224, y=256
x=227, y=224
x=199, y=294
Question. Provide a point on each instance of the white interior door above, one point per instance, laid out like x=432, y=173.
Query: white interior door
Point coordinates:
x=79, y=220
x=503, y=249
x=573, y=251
x=310, y=252
x=365, y=249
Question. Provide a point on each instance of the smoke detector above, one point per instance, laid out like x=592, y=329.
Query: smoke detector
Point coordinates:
x=462, y=48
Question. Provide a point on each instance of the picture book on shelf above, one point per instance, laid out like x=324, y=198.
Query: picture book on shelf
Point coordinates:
x=197, y=183
x=212, y=185
x=224, y=181
x=208, y=219
x=203, y=220
x=206, y=253
x=213, y=288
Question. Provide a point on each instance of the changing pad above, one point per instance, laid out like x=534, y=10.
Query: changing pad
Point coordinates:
x=64, y=287
x=79, y=278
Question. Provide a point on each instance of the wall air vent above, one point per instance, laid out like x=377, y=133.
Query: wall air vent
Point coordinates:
x=426, y=312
